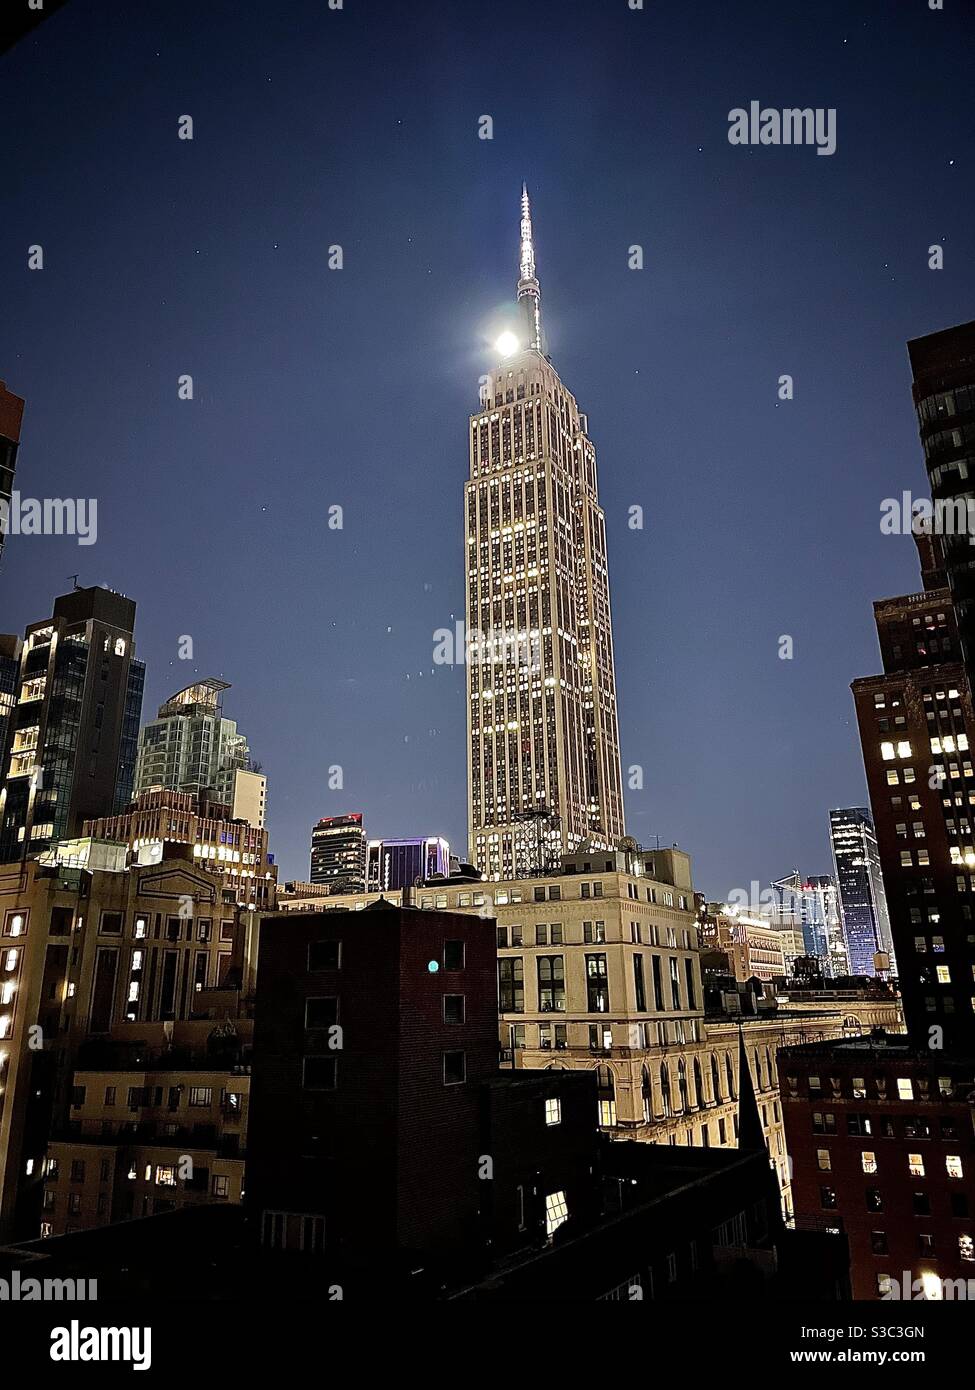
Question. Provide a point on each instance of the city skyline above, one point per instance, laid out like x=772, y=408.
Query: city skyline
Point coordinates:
x=739, y=505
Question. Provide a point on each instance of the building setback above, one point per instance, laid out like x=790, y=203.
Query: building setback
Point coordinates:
x=543, y=742
x=191, y=747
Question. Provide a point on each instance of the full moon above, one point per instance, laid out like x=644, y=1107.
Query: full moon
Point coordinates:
x=507, y=344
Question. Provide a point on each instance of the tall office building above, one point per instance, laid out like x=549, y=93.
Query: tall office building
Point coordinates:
x=400, y=863
x=543, y=744
x=191, y=747
x=338, y=852
x=943, y=365
x=72, y=738
x=11, y=414
x=863, y=902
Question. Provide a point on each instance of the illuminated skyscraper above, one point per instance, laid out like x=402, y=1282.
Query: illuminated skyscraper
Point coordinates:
x=866, y=925
x=543, y=743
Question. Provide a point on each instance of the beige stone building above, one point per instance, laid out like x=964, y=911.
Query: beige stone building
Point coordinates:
x=138, y=1141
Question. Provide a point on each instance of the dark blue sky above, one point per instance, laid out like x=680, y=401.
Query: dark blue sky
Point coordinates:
x=315, y=388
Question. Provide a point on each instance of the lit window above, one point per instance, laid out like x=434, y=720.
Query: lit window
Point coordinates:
x=953, y=1165
x=822, y=1160
x=915, y=1163
x=905, y=1088
x=868, y=1162
x=553, y=1113
x=966, y=1249
x=944, y=975
x=887, y=751
x=556, y=1211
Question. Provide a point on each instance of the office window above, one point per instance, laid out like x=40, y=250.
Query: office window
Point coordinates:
x=502, y=936
x=511, y=986
x=201, y=1096
x=454, y=1068
x=641, y=997
x=905, y=1088
x=597, y=984
x=553, y=1112
x=551, y=984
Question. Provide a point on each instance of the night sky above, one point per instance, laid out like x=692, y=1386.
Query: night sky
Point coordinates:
x=315, y=388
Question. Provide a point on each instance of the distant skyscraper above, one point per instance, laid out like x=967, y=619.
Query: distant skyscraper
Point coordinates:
x=190, y=747
x=542, y=724
x=863, y=902
x=399, y=863
x=338, y=852
x=809, y=905
x=72, y=744
x=11, y=413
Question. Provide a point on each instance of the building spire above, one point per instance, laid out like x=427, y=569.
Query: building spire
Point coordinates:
x=529, y=294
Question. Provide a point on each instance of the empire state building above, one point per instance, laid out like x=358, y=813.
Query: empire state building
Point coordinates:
x=543, y=742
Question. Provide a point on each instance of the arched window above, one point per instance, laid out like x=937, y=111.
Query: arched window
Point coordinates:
x=730, y=1071
x=682, y=1083
x=698, y=1084
x=715, y=1080
x=665, y=1089
x=647, y=1093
